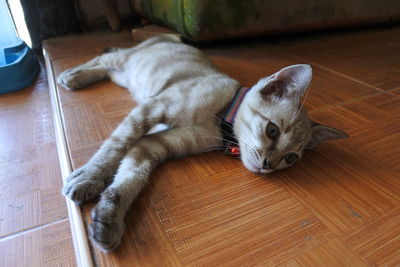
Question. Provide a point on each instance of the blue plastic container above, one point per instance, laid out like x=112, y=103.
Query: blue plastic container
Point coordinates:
x=18, y=64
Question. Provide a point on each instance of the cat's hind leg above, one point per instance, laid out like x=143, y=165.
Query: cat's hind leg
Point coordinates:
x=83, y=75
x=101, y=67
x=97, y=69
x=108, y=216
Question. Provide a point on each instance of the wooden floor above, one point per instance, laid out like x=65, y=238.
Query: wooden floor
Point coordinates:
x=339, y=206
x=34, y=228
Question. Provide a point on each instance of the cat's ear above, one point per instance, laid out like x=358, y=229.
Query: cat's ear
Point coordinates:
x=292, y=81
x=322, y=133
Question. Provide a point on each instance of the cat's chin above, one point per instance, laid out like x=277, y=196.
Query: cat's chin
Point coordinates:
x=253, y=168
x=263, y=171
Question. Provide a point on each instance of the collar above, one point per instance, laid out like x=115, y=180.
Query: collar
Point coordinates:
x=230, y=114
x=229, y=140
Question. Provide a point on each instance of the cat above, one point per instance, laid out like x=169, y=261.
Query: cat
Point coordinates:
x=200, y=108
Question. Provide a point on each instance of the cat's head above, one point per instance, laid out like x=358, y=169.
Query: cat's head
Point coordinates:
x=271, y=125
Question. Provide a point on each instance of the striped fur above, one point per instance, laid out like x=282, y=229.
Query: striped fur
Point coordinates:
x=179, y=88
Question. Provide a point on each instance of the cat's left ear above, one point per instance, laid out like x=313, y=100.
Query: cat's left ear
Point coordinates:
x=321, y=133
x=292, y=81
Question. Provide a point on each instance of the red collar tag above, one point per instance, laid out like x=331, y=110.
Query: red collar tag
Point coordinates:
x=234, y=151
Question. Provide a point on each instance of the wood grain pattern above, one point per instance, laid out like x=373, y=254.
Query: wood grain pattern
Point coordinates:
x=69, y=46
x=377, y=242
x=363, y=197
x=369, y=56
x=364, y=120
x=28, y=142
x=337, y=207
x=332, y=253
x=247, y=66
x=33, y=226
x=235, y=211
x=78, y=230
x=50, y=245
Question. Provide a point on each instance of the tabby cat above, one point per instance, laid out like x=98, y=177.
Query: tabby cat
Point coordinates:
x=200, y=109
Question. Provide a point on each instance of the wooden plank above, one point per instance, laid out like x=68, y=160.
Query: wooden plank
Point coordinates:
x=82, y=251
x=378, y=242
x=333, y=253
x=50, y=245
x=34, y=230
x=29, y=170
x=370, y=57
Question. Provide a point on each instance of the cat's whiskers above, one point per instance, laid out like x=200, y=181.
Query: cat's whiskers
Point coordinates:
x=251, y=146
x=255, y=158
x=219, y=138
x=253, y=155
x=230, y=134
x=245, y=135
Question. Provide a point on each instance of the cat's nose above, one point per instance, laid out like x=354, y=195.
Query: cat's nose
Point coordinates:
x=266, y=165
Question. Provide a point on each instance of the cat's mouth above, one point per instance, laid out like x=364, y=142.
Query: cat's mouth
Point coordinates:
x=253, y=167
x=265, y=171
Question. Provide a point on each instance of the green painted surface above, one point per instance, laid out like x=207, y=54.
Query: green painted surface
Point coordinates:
x=161, y=11
x=200, y=20
x=230, y=15
x=196, y=19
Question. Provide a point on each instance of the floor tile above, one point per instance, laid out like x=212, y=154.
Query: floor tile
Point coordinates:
x=50, y=245
x=369, y=56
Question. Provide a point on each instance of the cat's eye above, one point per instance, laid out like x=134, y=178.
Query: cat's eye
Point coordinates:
x=291, y=158
x=272, y=130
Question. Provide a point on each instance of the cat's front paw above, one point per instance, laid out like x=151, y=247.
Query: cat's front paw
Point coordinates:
x=106, y=228
x=82, y=185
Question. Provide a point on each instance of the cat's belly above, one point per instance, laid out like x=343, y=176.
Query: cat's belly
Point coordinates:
x=139, y=92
